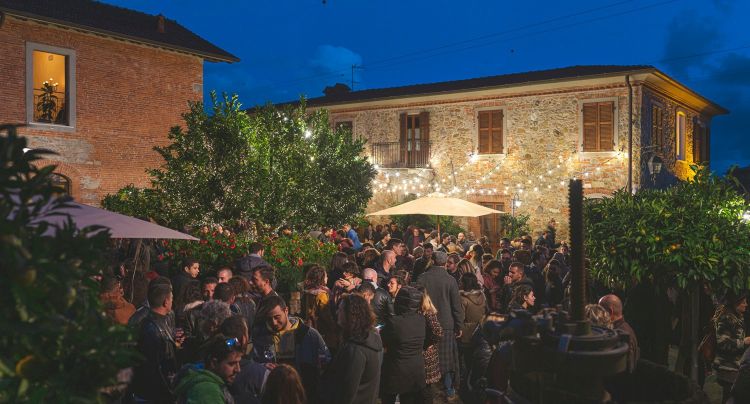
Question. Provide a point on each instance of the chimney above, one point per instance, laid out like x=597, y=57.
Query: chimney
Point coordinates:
x=337, y=89
x=160, y=24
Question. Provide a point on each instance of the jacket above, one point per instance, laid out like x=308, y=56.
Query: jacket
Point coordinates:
x=382, y=305
x=317, y=311
x=116, y=307
x=443, y=291
x=420, y=266
x=403, y=364
x=179, y=281
x=355, y=371
x=730, y=344
x=352, y=235
x=246, y=264
x=248, y=384
x=475, y=307
x=151, y=379
x=202, y=386
x=507, y=292
x=301, y=347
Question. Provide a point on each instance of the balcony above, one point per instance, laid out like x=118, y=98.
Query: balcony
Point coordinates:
x=409, y=154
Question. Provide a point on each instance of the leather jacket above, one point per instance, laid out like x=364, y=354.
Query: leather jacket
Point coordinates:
x=382, y=305
x=153, y=378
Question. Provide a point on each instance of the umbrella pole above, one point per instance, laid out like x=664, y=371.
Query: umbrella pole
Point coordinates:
x=438, y=227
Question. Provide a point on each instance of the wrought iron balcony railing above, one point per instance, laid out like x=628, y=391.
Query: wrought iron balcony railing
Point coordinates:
x=408, y=154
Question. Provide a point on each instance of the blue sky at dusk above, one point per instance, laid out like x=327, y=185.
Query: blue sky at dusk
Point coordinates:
x=293, y=47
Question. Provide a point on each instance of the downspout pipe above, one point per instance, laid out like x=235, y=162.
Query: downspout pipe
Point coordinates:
x=630, y=134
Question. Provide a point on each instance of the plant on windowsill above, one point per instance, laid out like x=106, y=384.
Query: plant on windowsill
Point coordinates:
x=47, y=103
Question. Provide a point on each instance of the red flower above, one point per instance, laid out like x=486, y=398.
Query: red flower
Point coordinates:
x=299, y=262
x=232, y=246
x=160, y=257
x=165, y=243
x=278, y=260
x=204, y=241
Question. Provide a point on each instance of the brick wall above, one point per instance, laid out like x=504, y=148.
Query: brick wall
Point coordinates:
x=128, y=96
x=542, y=151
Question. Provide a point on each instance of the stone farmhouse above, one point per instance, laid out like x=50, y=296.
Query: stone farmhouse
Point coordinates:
x=512, y=142
x=98, y=84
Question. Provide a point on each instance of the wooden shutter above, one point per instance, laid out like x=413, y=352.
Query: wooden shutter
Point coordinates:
x=706, y=158
x=402, y=136
x=491, y=132
x=696, y=141
x=484, y=132
x=590, y=127
x=496, y=131
x=657, y=126
x=598, y=126
x=606, y=126
x=424, y=125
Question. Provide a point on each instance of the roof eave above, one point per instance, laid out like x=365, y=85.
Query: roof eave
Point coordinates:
x=211, y=57
x=714, y=108
x=484, y=88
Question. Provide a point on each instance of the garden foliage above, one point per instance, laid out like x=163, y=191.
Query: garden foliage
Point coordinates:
x=56, y=345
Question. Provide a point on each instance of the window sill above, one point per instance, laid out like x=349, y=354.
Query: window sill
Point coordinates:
x=593, y=155
x=488, y=156
x=50, y=127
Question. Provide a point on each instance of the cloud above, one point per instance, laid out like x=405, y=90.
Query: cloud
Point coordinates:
x=689, y=34
x=334, y=64
x=732, y=70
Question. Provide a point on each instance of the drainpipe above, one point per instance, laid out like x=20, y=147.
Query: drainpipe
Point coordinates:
x=630, y=134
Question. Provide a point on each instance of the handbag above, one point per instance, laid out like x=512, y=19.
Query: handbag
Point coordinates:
x=707, y=347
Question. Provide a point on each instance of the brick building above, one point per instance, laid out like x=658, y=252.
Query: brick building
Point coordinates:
x=98, y=84
x=524, y=135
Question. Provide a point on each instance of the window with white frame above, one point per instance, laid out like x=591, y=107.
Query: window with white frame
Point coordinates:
x=50, y=85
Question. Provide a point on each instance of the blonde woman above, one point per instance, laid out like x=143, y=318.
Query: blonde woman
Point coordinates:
x=598, y=315
x=433, y=333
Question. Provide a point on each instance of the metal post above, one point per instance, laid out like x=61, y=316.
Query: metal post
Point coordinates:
x=578, y=281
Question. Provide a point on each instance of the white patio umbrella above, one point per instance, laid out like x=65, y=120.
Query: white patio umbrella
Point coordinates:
x=120, y=226
x=437, y=206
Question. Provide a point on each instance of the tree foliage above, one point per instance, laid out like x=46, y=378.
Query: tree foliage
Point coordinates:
x=690, y=232
x=515, y=226
x=56, y=345
x=273, y=167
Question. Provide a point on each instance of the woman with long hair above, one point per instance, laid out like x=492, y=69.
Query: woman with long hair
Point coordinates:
x=283, y=386
x=433, y=333
x=347, y=284
x=475, y=259
x=355, y=370
x=316, y=309
x=491, y=274
x=731, y=341
x=553, y=284
x=522, y=298
x=335, y=270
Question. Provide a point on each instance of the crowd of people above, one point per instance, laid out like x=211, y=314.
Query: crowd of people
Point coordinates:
x=396, y=317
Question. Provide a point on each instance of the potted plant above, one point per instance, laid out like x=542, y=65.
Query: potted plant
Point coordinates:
x=47, y=102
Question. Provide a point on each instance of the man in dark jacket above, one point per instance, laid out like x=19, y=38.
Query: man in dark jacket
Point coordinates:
x=422, y=263
x=248, y=263
x=152, y=378
x=286, y=339
x=262, y=280
x=382, y=302
x=443, y=291
x=190, y=271
x=516, y=276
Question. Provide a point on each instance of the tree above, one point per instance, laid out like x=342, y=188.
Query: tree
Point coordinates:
x=684, y=236
x=274, y=167
x=514, y=226
x=56, y=345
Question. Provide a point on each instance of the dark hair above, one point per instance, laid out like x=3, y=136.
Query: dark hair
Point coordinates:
x=492, y=264
x=266, y=272
x=234, y=327
x=370, y=257
x=469, y=282
x=427, y=245
x=315, y=277
x=338, y=261
x=366, y=287
x=158, y=294
x=506, y=251
x=516, y=264
x=190, y=292
x=352, y=268
x=188, y=262
x=109, y=284
x=283, y=386
x=160, y=280
x=505, y=240
x=399, y=279
x=256, y=248
x=209, y=280
x=519, y=292
x=392, y=242
x=239, y=284
x=271, y=303
x=358, y=317
x=224, y=292
x=216, y=348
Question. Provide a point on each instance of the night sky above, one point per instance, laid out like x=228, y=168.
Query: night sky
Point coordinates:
x=293, y=47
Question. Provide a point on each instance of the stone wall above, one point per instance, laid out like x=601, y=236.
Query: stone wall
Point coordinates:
x=128, y=96
x=542, y=151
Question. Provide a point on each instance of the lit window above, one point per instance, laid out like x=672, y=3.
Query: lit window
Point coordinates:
x=50, y=85
x=680, y=135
